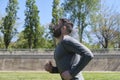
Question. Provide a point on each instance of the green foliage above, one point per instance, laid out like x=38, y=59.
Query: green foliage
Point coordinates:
x=21, y=43
x=79, y=12
x=9, y=20
x=33, y=31
x=1, y=38
x=105, y=27
x=1, y=42
x=56, y=12
x=84, y=13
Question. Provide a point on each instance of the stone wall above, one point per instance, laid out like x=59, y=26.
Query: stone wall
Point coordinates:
x=36, y=62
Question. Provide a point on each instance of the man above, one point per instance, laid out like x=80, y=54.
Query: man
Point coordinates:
x=70, y=55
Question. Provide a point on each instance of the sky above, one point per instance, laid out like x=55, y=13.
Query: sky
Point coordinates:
x=45, y=14
x=45, y=7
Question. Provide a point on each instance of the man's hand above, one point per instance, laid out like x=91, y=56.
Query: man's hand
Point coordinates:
x=48, y=66
x=66, y=75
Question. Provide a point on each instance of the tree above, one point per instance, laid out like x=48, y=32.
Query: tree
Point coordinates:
x=43, y=42
x=21, y=43
x=9, y=21
x=1, y=42
x=56, y=14
x=33, y=31
x=79, y=12
x=105, y=27
x=55, y=11
x=1, y=38
x=117, y=16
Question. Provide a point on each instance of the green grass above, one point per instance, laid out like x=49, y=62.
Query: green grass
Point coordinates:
x=101, y=75
x=48, y=76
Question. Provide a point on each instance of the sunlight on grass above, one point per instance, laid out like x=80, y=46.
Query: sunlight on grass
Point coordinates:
x=48, y=76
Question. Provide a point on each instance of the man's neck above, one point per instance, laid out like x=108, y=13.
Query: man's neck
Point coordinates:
x=60, y=38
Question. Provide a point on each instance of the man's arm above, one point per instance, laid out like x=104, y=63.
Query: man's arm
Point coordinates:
x=86, y=55
x=54, y=70
x=50, y=68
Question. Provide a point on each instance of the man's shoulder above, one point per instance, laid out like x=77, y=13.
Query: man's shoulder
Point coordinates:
x=68, y=39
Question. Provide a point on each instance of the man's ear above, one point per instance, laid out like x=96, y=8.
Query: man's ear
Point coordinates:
x=64, y=27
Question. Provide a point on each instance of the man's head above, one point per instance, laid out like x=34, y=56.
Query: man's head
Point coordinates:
x=64, y=26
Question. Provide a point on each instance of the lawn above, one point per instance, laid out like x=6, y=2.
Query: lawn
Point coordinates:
x=47, y=76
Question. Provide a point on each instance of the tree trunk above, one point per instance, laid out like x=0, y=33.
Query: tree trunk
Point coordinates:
x=106, y=43
x=119, y=45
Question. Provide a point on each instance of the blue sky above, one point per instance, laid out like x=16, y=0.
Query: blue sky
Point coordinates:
x=45, y=7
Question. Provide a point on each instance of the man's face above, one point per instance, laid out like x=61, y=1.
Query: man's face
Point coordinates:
x=57, y=30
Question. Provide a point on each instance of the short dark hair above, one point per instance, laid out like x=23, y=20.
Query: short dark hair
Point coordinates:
x=67, y=23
